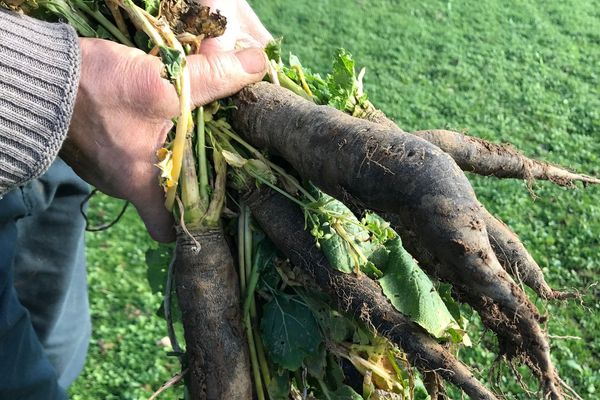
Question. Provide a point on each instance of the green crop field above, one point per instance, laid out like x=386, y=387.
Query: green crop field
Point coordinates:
x=524, y=72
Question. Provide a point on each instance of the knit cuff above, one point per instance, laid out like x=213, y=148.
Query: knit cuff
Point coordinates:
x=39, y=76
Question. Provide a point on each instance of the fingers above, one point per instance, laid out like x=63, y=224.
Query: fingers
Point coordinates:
x=159, y=222
x=244, y=28
x=218, y=75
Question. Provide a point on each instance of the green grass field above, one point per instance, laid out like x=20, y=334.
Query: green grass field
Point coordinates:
x=525, y=72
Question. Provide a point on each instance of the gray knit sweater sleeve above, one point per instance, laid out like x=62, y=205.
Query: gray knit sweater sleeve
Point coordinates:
x=39, y=75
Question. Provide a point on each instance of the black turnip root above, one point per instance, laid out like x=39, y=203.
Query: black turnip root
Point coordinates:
x=502, y=161
x=482, y=157
x=207, y=289
x=283, y=222
x=515, y=258
x=375, y=167
x=499, y=160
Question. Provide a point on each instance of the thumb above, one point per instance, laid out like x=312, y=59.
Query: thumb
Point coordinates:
x=150, y=206
x=221, y=74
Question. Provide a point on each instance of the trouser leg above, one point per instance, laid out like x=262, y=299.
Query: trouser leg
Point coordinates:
x=42, y=243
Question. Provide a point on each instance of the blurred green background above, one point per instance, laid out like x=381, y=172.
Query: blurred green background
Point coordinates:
x=524, y=72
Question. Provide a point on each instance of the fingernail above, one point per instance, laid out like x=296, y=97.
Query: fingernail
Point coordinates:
x=253, y=60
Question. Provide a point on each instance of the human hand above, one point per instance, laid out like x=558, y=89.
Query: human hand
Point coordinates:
x=123, y=113
x=243, y=27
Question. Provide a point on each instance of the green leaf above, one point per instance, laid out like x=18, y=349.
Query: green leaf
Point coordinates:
x=259, y=168
x=377, y=250
x=294, y=61
x=342, y=82
x=152, y=6
x=173, y=60
x=279, y=387
x=265, y=254
x=316, y=363
x=362, y=336
x=419, y=390
x=445, y=291
x=75, y=17
x=337, y=250
x=318, y=87
x=334, y=325
x=378, y=227
x=102, y=33
x=345, y=392
x=157, y=261
x=371, y=270
x=273, y=50
x=290, y=331
x=334, y=372
x=411, y=292
x=142, y=41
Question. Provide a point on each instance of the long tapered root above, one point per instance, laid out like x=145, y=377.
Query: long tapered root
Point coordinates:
x=376, y=167
x=486, y=158
x=499, y=160
x=515, y=259
x=283, y=222
x=512, y=343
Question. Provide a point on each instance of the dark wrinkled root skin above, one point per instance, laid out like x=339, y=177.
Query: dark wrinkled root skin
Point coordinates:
x=371, y=166
x=489, y=159
x=362, y=298
x=207, y=290
x=482, y=157
x=485, y=158
x=515, y=258
x=512, y=342
x=377, y=167
x=499, y=160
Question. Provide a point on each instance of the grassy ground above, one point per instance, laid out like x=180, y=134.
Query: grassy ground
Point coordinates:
x=527, y=72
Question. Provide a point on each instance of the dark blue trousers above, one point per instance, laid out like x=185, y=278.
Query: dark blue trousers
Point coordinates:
x=44, y=316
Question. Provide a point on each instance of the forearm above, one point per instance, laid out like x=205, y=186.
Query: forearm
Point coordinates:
x=39, y=73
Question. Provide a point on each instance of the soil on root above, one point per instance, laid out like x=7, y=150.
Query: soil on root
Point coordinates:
x=283, y=222
x=208, y=294
x=353, y=159
x=481, y=157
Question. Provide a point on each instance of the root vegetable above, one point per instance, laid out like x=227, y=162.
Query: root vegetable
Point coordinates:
x=208, y=294
x=499, y=160
x=283, y=222
x=515, y=258
x=486, y=158
x=364, y=163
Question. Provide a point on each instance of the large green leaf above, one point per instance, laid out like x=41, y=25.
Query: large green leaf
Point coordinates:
x=157, y=261
x=412, y=293
x=334, y=325
x=290, y=331
x=409, y=289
